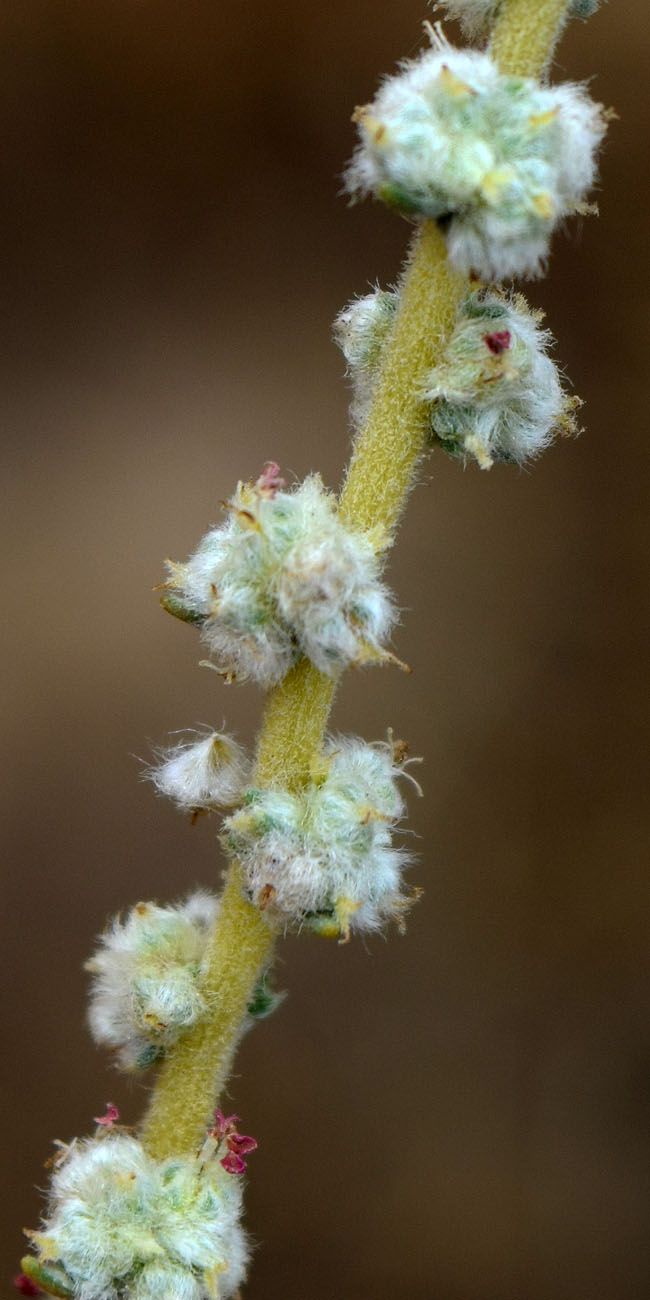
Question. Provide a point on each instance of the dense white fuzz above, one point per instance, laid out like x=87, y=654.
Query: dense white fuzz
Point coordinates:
x=120, y=1224
x=496, y=395
x=207, y=773
x=498, y=159
x=147, y=974
x=323, y=856
x=476, y=15
x=284, y=577
x=361, y=330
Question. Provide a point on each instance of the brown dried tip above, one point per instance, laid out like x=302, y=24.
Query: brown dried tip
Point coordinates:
x=400, y=750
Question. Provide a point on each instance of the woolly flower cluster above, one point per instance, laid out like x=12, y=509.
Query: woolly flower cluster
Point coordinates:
x=475, y=15
x=360, y=331
x=323, y=856
x=122, y=1224
x=284, y=577
x=497, y=159
x=494, y=394
x=203, y=774
x=147, y=974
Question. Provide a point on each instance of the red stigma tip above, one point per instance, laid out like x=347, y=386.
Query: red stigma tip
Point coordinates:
x=497, y=342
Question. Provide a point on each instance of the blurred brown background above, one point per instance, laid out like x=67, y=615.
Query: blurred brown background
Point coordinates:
x=461, y=1114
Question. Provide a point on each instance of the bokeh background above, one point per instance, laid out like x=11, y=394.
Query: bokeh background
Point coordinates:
x=461, y=1113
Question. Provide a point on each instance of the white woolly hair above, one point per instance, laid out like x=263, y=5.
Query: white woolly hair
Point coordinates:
x=501, y=159
x=208, y=773
x=361, y=330
x=120, y=1223
x=495, y=393
x=323, y=856
x=147, y=974
x=284, y=577
x=475, y=16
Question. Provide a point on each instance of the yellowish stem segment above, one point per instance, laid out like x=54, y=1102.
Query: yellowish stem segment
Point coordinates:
x=524, y=35
x=191, y=1077
x=388, y=448
x=381, y=471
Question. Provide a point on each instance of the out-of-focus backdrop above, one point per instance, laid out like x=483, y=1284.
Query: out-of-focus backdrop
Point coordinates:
x=461, y=1113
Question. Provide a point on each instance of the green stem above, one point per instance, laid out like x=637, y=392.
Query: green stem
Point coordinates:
x=382, y=468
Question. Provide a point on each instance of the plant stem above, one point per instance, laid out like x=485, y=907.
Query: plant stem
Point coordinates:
x=385, y=458
x=525, y=33
x=381, y=472
x=192, y=1076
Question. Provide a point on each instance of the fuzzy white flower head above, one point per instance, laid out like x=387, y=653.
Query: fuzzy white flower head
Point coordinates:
x=323, y=856
x=202, y=774
x=120, y=1223
x=477, y=15
x=147, y=974
x=495, y=393
x=284, y=577
x=498, y=159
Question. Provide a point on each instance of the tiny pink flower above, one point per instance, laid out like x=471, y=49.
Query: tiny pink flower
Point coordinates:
x=233, y=1164
x=109, y=1119
x=497, y=342
x=270, y=479
x=237, y=1144
x=240, y=1144
x=223, y=1125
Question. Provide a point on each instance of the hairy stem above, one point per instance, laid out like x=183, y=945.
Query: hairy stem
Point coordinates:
x=382, y=468
x=524, y=35
x=191, y=1077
